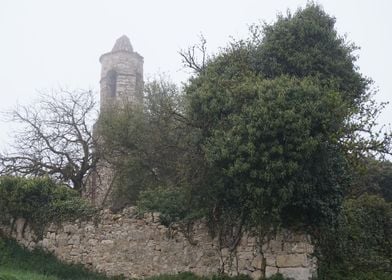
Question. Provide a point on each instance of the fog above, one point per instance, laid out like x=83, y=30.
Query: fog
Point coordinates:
x=47, y=43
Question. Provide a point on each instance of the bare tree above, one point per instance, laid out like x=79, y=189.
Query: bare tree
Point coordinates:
x=55, y=138
x=195, y=57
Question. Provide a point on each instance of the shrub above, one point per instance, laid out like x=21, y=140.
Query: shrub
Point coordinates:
x=173, y=204
x=360, y=246
x=40, y=201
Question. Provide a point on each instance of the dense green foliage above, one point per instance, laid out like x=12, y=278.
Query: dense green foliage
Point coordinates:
x=269, y=132
x=144, y=144
x=278, y=129
x=307, y=44
x=280, y=117
x=40, y=201
x=360, y=245
x=17, y=263
x=374, y=178
x=275, y=156
x=170, y=202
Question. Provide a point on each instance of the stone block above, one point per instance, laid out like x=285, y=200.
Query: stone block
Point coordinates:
x=245, y=255
x=256, y=275
x=74, y=252
x=292, y=260
x=270, y=270
x=225, y=252
x=92, y=242
x=257, y=262
x=156, y=216
x=243, y=263
x=298, y=247
x=297, y=237
x=252, y=241
x=45, y=243
x=89, y=229
x=51, y=235
x=116, y=217
x=62, y=239
x=273, y=246
x=20, y=225
x=74, y=240
x=70, y=229
x=270, y=260
x=296, y=273
x=52, y=228
x=107, y=242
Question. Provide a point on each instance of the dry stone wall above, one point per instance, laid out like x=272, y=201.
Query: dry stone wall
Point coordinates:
x=124, y=244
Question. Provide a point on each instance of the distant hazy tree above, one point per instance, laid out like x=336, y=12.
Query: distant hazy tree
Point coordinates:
x=55, y=138
x=375, y=178
x=146, y=144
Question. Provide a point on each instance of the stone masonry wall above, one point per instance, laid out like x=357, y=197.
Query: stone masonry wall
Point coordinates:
x=124, y=244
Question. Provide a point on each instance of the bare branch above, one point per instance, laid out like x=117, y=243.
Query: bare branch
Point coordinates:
x=55, y=139
x=195, y=57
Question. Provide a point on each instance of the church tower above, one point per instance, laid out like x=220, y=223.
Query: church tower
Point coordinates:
x=121, y=75
x=121, y=83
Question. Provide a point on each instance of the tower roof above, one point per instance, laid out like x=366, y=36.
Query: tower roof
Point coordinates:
x=122, y=44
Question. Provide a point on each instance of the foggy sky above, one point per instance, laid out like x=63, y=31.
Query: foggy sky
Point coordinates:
x=46, y=44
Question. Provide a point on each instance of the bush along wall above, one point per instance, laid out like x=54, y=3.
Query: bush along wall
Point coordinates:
x=39, y=201
x=360, y=244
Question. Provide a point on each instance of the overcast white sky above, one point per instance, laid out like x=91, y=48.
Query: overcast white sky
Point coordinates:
x=51, y=43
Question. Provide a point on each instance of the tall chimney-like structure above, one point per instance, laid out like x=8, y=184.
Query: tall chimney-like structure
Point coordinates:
x=121, y=75
x=121, y=84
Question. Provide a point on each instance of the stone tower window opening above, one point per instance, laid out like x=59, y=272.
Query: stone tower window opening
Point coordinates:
x=112, y=82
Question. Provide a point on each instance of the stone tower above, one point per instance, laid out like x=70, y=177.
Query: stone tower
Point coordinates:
x=121, y=83
x=121, y=75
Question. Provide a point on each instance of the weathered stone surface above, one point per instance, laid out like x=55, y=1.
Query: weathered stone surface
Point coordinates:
x=270, y=260
x=125, y=244
x=70, y=228
x=74, y=240
x=107, y=242
x=257, y=262
x=292, y=260
x=256, y=274
x=274, y=245
x=299, y=247
x=298, y=273
x=271, y=270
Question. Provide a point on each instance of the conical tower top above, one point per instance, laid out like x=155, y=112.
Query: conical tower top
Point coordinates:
x=122, y=44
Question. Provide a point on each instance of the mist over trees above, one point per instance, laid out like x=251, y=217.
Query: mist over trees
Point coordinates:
x=274, y=125
x=275, y=130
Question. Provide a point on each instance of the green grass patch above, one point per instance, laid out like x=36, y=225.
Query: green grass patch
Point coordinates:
x=17, y=263
x=12, y=274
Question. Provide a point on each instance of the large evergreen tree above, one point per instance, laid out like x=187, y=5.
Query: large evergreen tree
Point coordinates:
x=282, y=117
